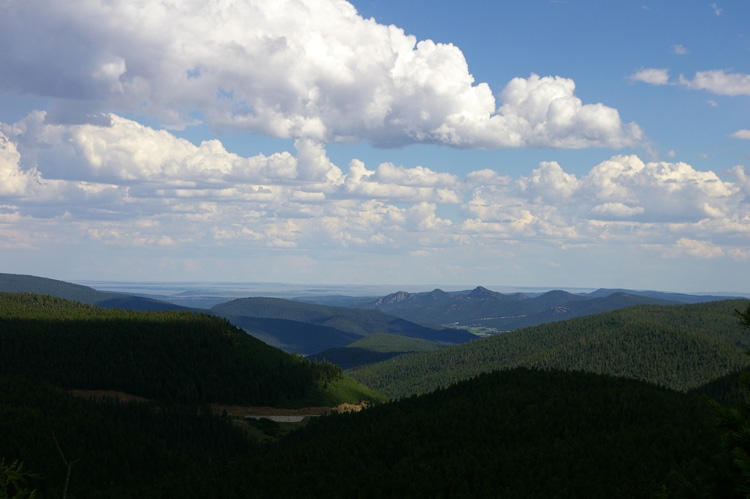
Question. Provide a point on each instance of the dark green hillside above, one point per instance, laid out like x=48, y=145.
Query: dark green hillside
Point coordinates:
x=681, y=347
x=14, y=283
x=115, y=450
x=176, y=356
x=346, y=321
x=376, y=348
x=515, y=433
x=726, y=390
x=575, y=307
x=294, y=336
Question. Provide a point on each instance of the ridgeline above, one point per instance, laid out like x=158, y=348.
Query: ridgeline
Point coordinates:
x=678, y=346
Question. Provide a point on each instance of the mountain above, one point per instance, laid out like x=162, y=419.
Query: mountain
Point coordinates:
x=286, y=323
x=375, y=348
x=439, y=307
x=489, y=310
x=174, y=356
x=678, y=346
x=16, y=283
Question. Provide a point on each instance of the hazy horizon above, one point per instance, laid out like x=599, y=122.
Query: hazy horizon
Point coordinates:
x=241, y=289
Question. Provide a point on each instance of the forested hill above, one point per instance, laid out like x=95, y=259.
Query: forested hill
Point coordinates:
x=516, y=433
x=17, y=283
x=513, y=433
x=173, y=356
x=680, y=347
x=286, y=323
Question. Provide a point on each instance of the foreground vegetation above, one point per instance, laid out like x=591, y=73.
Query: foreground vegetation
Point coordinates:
x=496, y=435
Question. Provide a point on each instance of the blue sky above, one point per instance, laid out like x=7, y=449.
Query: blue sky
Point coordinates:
x=541, y=143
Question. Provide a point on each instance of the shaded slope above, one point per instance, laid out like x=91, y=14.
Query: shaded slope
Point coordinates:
x=294, y=336
x=178, y=356
x=120, y=451
x=245, y=312
x=512, y=433
x=681, y=347
x=534, y=434
x=375, y=348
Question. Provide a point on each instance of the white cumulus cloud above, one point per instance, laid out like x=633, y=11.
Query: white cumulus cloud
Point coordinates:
x=303, y=69
x=653, y=76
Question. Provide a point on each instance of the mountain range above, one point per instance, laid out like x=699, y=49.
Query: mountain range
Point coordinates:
x=484, y=309
x=313, y=326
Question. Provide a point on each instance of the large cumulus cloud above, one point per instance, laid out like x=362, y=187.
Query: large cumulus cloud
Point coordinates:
x=309, y=69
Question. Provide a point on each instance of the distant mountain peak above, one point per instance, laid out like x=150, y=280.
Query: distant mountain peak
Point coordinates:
x=482, y=293
x=397, y=297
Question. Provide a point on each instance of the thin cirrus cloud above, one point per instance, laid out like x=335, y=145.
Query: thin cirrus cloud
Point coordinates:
x=717, y=81
x=322, y=73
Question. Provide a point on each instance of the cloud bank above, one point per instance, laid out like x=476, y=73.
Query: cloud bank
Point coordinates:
x=125, y=184
x=303, y=69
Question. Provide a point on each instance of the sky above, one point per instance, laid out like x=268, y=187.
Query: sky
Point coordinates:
x=539, y=143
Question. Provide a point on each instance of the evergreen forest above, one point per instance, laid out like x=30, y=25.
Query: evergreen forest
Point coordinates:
x=542, y=421
x=681, y=347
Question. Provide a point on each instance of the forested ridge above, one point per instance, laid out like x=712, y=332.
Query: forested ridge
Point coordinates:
x=173, y=356
x=18, y=283
x=308, y=328
x=516, y=433
x=678, y=346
